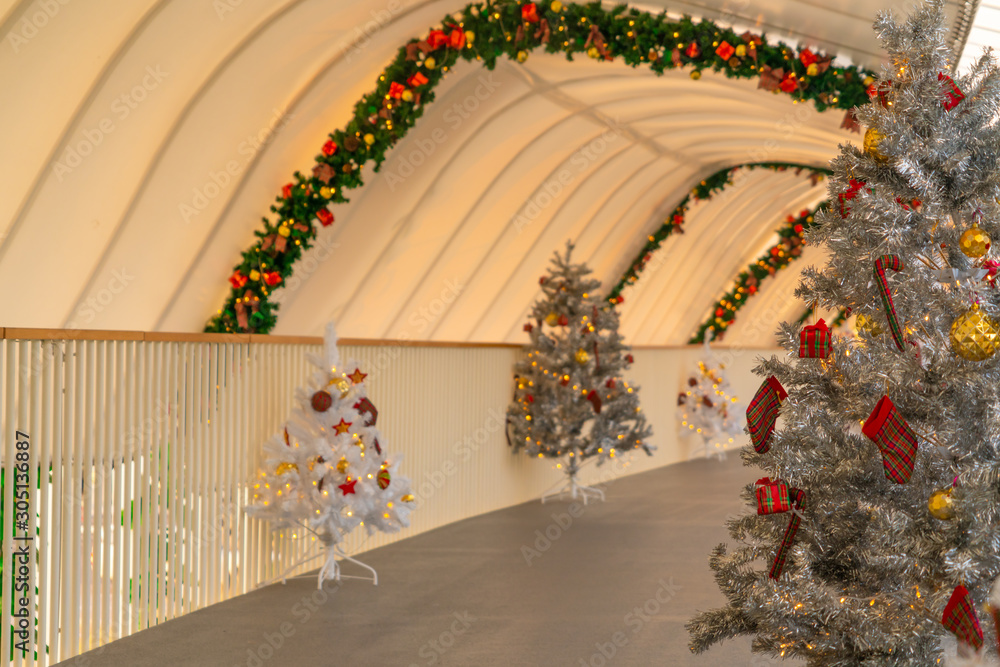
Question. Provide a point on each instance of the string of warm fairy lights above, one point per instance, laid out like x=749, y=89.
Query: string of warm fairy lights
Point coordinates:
x=484, y=32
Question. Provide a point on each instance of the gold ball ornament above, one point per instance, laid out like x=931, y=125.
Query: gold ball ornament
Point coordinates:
x=695, y=74
x=285, y=467
x=407, y=95
x=284, y=231
x=254, y=275
x=522, y=56
x=593, y=52
x=941, y=505
x=470, y=37
x=369, y=139
x=342, y=465
x=430, y=63
x=870, y=325
x=556, y=6
x=974, y=335
x=581, y=356
x=551, y=319
x=325, y=192
x=408, y=498
x=974, y=242
x=871, y=143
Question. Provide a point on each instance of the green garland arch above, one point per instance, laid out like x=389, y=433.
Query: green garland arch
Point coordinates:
x=704, y=191
x=781, y=254
x=485, y=31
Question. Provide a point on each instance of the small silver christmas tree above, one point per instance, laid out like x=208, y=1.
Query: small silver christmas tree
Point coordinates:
x=572, y=402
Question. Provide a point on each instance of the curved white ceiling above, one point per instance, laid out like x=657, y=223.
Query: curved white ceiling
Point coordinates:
x=118, y=211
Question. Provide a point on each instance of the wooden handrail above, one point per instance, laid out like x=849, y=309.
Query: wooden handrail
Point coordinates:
x=20, y=333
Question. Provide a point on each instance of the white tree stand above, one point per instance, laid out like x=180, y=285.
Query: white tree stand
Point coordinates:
x=573, y=488
x=330, y=568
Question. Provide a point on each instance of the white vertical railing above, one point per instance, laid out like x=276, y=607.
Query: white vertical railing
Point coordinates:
x=142, y=449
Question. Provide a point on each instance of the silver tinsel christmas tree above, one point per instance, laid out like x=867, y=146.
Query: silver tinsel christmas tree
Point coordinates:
x=878, y=528
x=571, y=401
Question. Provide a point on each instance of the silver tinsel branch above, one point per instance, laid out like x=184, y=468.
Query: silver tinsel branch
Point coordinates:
x=871, y=570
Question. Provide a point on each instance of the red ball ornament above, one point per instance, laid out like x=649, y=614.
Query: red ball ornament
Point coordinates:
x=610, y=384
x=321, y=401
x=563, y=320
x=541, y=281
x=628, y=358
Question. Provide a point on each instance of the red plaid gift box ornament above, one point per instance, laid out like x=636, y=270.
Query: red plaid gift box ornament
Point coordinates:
x=897, y=442
x=960, y=618
x=772, y=497
x=762, y=413
x=815, y=341
x=952, y=95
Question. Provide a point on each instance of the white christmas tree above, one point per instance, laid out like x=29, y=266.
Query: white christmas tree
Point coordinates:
x=327, y=470
x=707, y=408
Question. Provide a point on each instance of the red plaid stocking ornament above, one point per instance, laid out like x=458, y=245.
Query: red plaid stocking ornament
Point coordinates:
x=960, y=618
x=895, y=439
x=762, y=413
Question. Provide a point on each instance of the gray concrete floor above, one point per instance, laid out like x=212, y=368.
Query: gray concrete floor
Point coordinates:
x=613, y=586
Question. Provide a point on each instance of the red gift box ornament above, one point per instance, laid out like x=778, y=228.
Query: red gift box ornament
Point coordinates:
x=692, y=51
x=417, y=79
x=325, y=217
x=725, y=50
x=815, y=341
x=762, y=413
x=895, y=439
x=530, y=13
x=960, y=618
x=952, y=95
x=772, y=496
